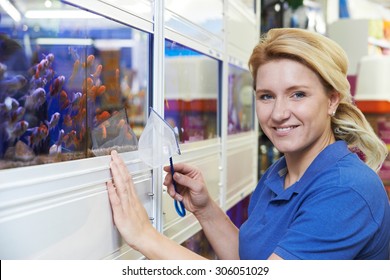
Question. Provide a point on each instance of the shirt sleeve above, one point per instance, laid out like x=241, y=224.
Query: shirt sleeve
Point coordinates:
x=335, y=223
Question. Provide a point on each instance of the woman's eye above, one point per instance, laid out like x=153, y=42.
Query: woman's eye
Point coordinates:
x=264, y=97
x=299, y=94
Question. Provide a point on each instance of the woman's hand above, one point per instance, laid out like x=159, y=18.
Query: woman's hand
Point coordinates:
x=191, y=188
x=133, y=222
x=129, y=214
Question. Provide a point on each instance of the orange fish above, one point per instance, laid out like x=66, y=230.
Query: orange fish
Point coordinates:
x=76, y=100
x=17, y=130
x=56, y=86
x=75, y=70
x=41, y=67
x=88, y=63
x=70, y=138
x=82, y=132
x=38, y=134
x=68, y=121
x=101, y=117
x=96, y=91
x=83, y=101
x=97, y=73
x=80, y=115
x=64, y=101
x=87, y=85
x=103, y=127
x=101, y=90
x=17, y=115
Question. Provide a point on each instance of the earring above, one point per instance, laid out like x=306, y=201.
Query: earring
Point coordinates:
x=333, y=114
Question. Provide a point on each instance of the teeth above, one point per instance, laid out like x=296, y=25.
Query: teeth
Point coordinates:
x=284, y=128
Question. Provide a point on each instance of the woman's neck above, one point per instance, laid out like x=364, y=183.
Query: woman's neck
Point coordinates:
x=298, y=162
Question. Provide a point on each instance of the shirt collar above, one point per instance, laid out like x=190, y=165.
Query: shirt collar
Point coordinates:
x=325, y=159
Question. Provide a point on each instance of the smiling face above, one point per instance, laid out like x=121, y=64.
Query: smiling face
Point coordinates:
x=293, y=107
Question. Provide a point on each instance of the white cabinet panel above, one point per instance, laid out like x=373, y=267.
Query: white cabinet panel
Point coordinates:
x=241, y=167
x=67, y=216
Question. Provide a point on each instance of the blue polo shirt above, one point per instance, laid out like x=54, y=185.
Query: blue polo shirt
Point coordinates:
x=337, y=210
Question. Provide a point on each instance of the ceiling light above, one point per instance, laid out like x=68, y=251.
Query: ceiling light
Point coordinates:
x=11, y=10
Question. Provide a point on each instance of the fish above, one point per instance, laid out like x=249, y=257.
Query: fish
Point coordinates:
x=17, y=130
x=97, y=73
x=89, y=61
x=17, y=115
x=96, y=91
x=38, y=134
x=80, y=116
x=60, y=138
x=92, y=90
x=82, y=132
x=102, y=128
x=57, y=146
x=101, y=117
x=50, y=58
x=75, y=70
x=55, y=149
x=124, y=129
x=41, y=67
x=49, y=75
x=56, y=86
x=83, y=101
x=10, y=103
x=70, y=138
x=87, y=84
x=121, y=123
x=36, y=99
x=53, y=121
x=75, y=100
x=10, y=111
x=11, y=86
x=37, y=83
x=64, y=100
x=68, y=121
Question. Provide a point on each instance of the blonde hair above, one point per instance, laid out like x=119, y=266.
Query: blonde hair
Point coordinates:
x=329, y=61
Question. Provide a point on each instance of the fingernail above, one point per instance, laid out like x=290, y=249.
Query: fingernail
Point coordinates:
x=177, y=175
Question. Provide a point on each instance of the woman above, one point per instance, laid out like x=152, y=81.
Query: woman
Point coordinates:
x=319, y=201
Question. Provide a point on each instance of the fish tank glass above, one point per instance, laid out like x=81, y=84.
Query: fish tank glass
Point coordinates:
x=240, y=100
x=191, y=92
x=73, y=84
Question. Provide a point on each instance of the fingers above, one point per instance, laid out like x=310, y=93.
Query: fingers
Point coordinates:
x=124, y=187
x=184, y=184
x=114, y=199
x=181, y=168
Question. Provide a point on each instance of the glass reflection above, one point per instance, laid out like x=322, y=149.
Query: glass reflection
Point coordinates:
x=240, y=100
x=191, y=92
x=61, y=79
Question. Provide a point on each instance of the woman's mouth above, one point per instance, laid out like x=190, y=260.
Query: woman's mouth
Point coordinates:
x=285, y=128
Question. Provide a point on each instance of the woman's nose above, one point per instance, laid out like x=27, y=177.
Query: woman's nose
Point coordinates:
x=281, y=110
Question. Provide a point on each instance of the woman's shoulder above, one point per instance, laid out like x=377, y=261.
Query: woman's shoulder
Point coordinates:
x=353, y=171
x=351, y=175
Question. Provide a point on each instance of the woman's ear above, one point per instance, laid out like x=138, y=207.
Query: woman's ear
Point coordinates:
x=334, y=101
